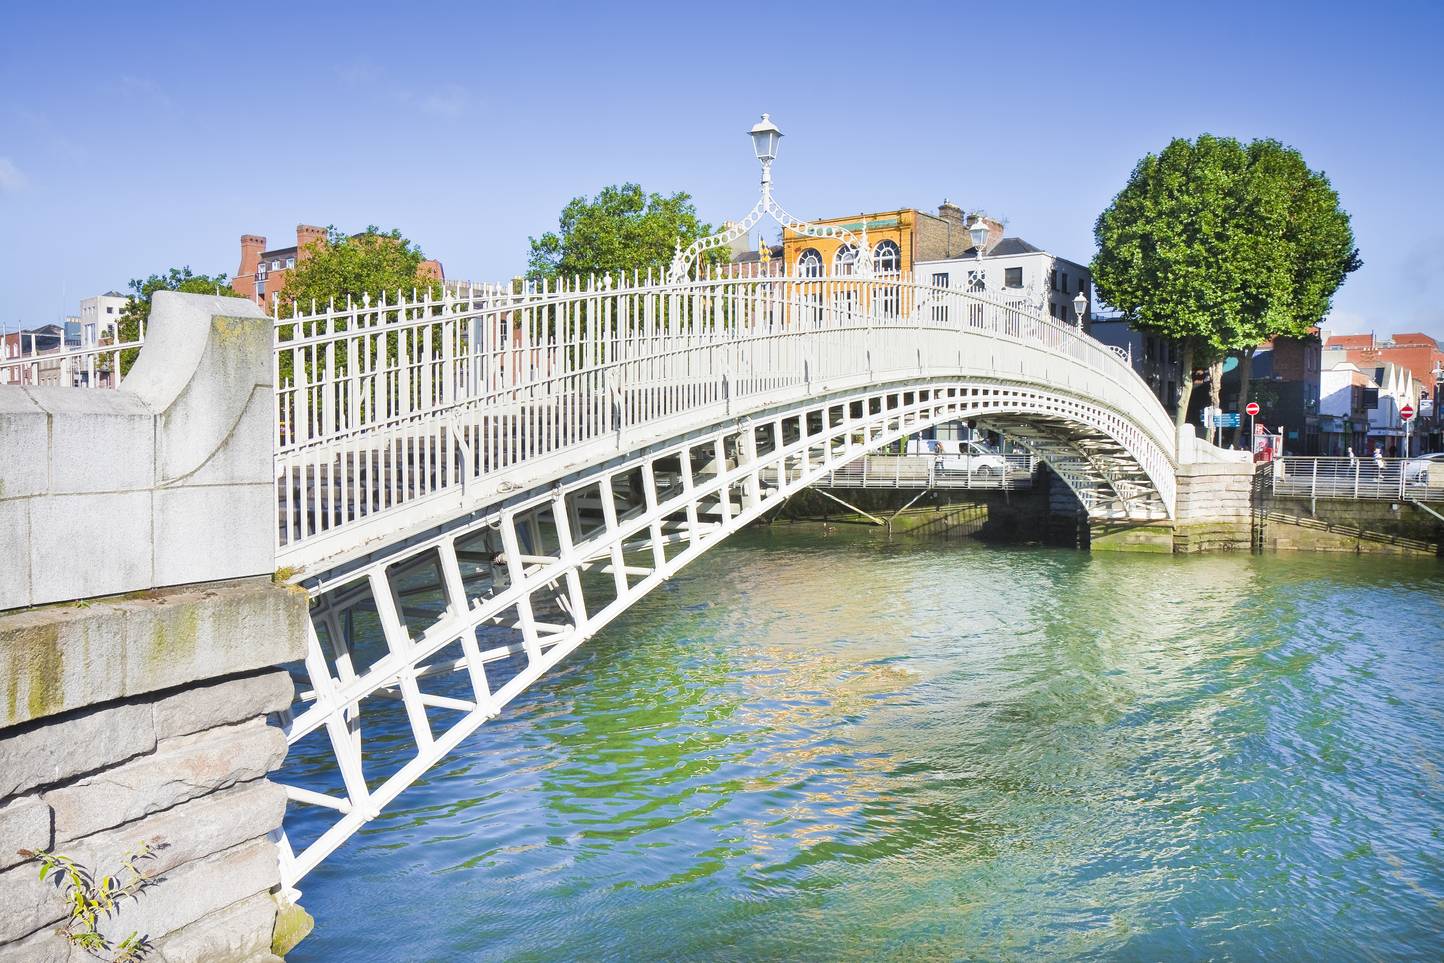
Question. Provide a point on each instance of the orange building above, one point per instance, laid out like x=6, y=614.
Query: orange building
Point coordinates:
x=899, y=239
x=263, y=272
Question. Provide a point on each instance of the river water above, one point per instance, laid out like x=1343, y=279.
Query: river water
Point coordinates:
x=817, y=746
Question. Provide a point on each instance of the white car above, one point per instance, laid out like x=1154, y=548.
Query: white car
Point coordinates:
x=1418, y=470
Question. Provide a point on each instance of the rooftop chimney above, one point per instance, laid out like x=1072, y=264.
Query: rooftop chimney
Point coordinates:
x=308, y=235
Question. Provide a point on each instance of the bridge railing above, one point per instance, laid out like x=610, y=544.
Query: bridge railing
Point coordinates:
x=384, y=403
x=96, y=366
x=927, y=471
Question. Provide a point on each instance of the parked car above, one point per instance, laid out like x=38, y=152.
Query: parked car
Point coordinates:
x=1417, y=471
x=960, y=456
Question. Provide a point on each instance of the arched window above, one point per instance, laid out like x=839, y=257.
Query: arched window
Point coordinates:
x=809, y=264
x=844, y=260
x=886, y=258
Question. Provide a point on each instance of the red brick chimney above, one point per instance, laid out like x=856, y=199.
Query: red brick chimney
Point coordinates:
x=245, y=280
x=307, y=236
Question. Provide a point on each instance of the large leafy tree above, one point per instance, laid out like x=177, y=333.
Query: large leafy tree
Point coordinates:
x=622, y=228
x=142, y=291
x=374, y=262
x=1221, y=246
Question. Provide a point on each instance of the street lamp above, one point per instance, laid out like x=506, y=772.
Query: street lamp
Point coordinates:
x=1080, y=304
x=765, y=136
x=979, y=233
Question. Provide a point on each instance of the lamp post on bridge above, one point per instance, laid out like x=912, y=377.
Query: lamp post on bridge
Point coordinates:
x=765, y=139
x=1080, y=304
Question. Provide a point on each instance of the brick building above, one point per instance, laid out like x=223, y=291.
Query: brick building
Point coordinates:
x=899, y=240
x=263, y=272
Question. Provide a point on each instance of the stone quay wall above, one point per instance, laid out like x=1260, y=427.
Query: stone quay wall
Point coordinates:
x=141, y=639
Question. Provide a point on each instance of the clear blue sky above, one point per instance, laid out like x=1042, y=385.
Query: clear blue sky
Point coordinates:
x=134, y=137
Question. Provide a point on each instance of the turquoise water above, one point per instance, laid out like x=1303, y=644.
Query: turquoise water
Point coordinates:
x=835, y=746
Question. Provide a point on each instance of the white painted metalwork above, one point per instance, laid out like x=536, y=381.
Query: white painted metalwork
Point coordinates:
x=398, y=414
x=97, y=366
x=529, y=576
x=928, y=471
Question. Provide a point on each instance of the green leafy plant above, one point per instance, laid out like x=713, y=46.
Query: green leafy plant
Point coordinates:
x=91, y=898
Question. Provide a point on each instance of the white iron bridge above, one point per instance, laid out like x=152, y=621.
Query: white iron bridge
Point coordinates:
x=470, y=484
x=538, y=460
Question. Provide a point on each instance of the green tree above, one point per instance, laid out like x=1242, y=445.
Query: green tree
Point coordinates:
x=370, y=263
x=1221, y=246
x=621, y=229
x=137, y=308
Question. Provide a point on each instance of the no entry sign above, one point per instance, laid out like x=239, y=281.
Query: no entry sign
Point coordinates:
x=1406, y=412
x=1251, y=408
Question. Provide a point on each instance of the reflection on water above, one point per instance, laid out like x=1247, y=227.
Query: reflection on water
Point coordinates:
x=840, y=747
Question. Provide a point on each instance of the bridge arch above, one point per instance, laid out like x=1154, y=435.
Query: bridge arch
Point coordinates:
x=526, y=579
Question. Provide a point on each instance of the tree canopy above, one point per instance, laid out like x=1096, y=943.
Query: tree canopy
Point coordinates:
x=622, y=228
x=1222, y=246
x=343, y=266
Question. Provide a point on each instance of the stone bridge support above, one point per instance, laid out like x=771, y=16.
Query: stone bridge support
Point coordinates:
x=140, y=638
x=1212, y=507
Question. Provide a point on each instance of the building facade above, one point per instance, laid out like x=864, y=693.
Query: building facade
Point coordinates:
x=1156, y=359
x=1011, y=264
x=900, y=240
x=263, y=271
x=100, y=317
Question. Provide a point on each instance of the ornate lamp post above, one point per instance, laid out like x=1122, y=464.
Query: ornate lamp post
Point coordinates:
x=978, y=232
x=765, y=137
x=1080, y=304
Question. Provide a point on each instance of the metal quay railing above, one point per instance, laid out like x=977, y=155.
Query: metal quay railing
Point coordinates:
x=1386, y=479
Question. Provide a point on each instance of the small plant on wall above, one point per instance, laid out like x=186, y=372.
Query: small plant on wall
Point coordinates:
x=91, y=897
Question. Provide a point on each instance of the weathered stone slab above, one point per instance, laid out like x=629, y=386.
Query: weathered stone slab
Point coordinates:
x=24, y=432
x=220, y=703
x=240, y=933
x=110, y=526
x=64, y=657
x=180, y=769
x=179, y=836
x=44, y=755
x=197, y=889
x=42, y=946
x=25, y=823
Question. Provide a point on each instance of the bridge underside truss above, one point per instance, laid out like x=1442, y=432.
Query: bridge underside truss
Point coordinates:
x=423, y=643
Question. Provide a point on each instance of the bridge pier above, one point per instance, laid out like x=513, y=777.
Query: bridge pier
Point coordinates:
x=1212, y=513
x=141, y=636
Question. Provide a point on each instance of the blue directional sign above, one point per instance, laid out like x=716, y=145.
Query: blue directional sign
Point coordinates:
x=1226, y=420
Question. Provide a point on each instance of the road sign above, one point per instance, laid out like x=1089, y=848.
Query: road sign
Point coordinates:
x=1226, y=420
x=1406, y=412
x=1252, y=408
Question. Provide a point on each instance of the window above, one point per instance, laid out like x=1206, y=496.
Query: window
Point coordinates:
x=845, y=258
x=886, y=257
x=1053, y=280
x=276, y=265
x=940, y=280
x=1065, y=282
x=1013, y=277
x=110, y=309
x=809, y=264
x=290, y=262
x=1082, y=286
